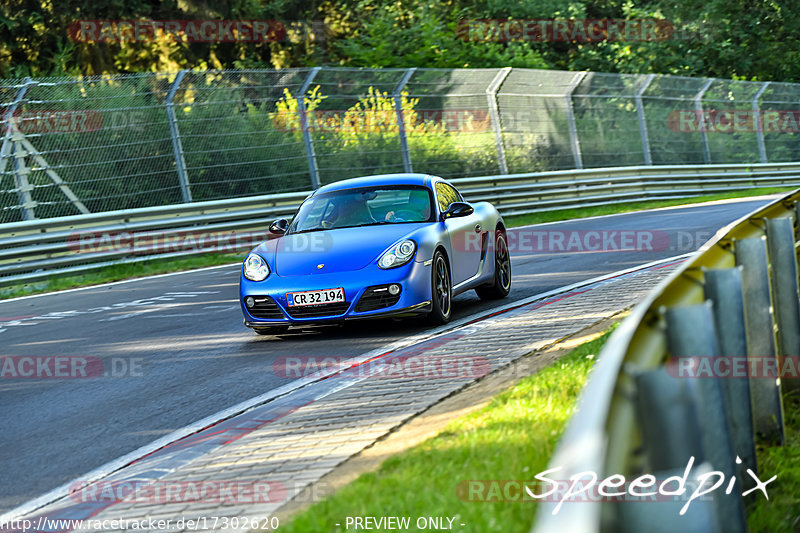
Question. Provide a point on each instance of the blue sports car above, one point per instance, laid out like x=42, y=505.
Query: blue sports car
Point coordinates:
x=391, y=245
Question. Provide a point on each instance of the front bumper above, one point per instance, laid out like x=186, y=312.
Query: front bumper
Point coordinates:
x=413, y=278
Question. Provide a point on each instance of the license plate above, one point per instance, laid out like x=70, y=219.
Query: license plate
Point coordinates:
x=325, y=296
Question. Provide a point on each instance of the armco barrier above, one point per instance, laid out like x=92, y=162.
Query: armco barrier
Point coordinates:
x=694, y=372
x=37, y=249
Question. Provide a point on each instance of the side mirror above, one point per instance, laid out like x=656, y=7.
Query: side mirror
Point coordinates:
x=458, y=209
x=279, y=226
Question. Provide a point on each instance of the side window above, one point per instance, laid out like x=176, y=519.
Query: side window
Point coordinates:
x=446, y=195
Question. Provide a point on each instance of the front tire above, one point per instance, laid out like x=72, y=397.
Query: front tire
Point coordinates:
x=441, y=291
x=501, y=285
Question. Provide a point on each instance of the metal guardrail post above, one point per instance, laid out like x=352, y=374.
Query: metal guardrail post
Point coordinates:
x=8, y=153
x=765, y=394
x=698, y=107
x=669, y=439
x=573, y=130
x=177, y=146
x=785, y=291
x=401, y=123
x=723, y=287
x=648, y=157
x=675, y=435
x=494, y=116
x=691, y=333
x=762, y=148
x=301, y=109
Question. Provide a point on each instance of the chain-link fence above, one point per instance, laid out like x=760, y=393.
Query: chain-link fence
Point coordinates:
x=78, y=145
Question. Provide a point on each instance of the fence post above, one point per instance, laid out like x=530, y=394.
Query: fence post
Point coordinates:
x=698, y=108
x=8, y=153
x=494, y=116
x=785, y=291
x=723, y=287
x=762, y=148
x=301, y=110
x=573, y=130
x=401, y=123
x=691, y=333
x=648, y=158
x=177, y=146
x=765, y=394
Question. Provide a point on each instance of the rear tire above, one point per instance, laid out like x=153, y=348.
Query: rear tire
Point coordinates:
x=502, y=271
x=441, y=291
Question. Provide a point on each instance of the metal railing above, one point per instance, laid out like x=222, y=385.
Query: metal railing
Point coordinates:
x=694, y=371
x=37, y=249
x=95, y=144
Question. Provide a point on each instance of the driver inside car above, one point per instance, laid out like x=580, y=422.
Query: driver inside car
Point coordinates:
x=350, y=210
x=417, y=209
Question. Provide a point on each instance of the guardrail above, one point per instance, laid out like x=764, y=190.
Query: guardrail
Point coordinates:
x=38, y=249
x=694, y=371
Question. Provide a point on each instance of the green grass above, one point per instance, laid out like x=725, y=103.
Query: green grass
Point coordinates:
x=119, y=272
x=782, y=511
x=510, y=439
x=146, y=268
x=583, y=212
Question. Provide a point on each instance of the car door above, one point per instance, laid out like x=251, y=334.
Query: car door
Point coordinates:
x=465, y=236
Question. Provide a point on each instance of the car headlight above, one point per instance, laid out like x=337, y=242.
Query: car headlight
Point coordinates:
x=255, y=268
x=398, y=255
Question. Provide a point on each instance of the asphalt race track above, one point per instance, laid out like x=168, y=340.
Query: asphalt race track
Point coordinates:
x=177, y=351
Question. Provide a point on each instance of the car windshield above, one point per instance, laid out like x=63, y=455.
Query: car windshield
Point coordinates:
x=366, y=206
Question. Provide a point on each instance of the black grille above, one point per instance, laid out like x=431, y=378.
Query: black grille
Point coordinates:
x=372, y=299
x=265, y=307
x=313, y=311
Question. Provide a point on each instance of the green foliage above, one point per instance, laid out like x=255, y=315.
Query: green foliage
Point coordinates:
x=740, y=40
x=781, y=513
x=419, y=35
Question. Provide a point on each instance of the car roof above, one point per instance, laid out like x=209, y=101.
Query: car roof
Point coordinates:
x=381, y=179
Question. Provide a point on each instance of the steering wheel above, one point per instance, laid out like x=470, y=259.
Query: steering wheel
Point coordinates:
x=403, y=215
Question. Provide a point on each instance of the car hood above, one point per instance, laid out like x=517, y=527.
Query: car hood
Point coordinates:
x=338, y=250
